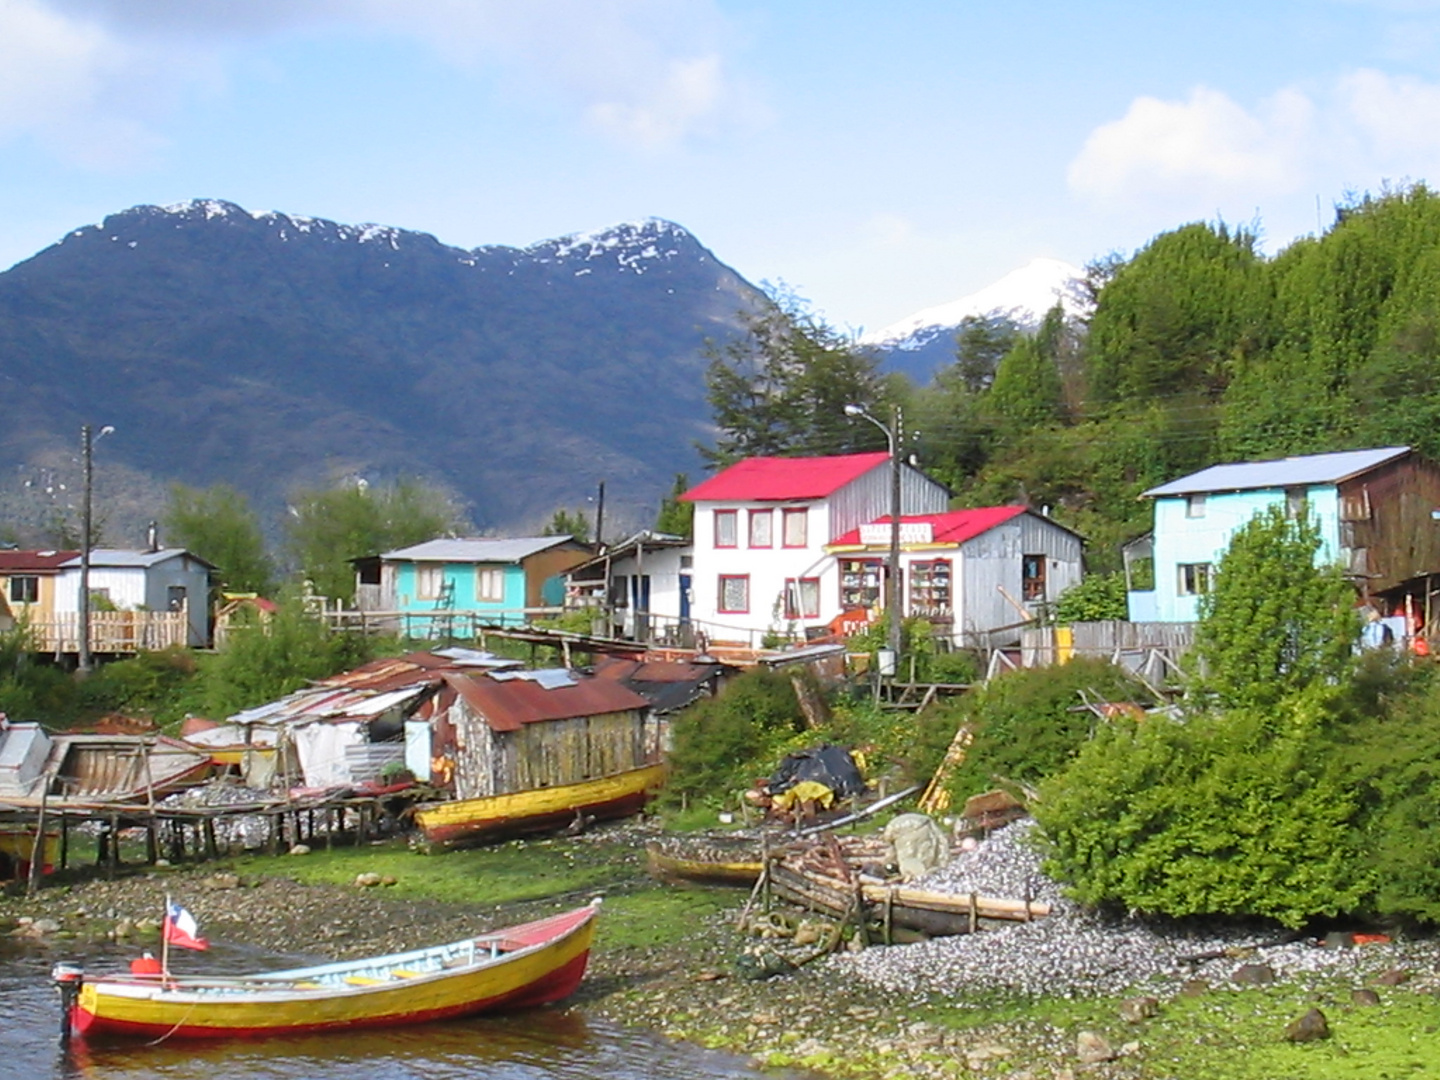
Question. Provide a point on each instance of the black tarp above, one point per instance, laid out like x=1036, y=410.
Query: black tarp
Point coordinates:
x=828, y=764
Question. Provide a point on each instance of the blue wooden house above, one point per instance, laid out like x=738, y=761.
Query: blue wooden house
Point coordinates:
x=1376, y=510
x=499, y=577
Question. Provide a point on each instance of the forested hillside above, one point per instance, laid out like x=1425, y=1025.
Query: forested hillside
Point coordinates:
x=1198, y=349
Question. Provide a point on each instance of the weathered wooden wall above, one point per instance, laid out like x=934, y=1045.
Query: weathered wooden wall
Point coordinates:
x=1386, y=515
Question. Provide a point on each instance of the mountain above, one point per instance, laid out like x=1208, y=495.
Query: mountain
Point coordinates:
x=921, y=343
x=273, y=352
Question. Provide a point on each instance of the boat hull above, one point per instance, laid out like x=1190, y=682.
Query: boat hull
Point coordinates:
x=468, y=821
x=547, y=965
x=705, y=862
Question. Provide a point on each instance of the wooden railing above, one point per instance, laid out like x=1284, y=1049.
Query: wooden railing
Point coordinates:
x=112, y=631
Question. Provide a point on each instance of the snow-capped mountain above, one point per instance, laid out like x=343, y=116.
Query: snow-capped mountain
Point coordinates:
x=1024, y=295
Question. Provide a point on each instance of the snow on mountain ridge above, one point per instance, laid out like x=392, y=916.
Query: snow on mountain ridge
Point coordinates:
x=1024, y=294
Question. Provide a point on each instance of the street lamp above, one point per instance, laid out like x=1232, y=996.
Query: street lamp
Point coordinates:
x=87, y=444
x=892, y=569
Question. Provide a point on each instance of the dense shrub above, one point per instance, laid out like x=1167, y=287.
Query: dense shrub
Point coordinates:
x=1235, y=813
x=162, y=685
x=1096, y=598
x=1027, y=724
x=29, y=689
x=722, y=743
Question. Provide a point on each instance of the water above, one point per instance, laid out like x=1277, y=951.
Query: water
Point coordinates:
x=542, y=1044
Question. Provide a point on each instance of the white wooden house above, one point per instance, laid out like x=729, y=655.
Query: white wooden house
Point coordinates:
x=170, y=580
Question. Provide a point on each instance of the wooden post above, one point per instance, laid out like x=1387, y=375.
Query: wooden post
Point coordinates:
x=212, y=849
x=974, y=914
x=37, y=849
x=64, y=842
x=114, y=842
x=152, y=845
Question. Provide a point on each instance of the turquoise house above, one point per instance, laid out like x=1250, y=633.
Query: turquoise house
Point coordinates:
x=1377, y=512
x=502, y=580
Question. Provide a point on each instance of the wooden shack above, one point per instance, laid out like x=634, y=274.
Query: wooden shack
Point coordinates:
x=519, y=731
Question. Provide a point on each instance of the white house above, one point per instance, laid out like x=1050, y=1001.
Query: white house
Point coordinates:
x=975, y=574
x=761, y=530
x=643, y=584
x=170, y=579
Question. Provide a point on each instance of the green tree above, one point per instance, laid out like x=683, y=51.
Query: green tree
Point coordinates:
x=566, y=523
x=782, y=388
x=330, y=527
x=217, y=524
x=1274, y=622
x=1096, y=598
x=676, y=517
x=980, y=344
x=1026, y=392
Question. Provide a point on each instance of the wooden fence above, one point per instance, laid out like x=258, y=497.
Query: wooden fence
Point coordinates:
x=113, y=631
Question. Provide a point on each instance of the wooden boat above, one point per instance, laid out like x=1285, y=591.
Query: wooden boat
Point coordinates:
x=709, y=860
x=531, y=964
x=538, y=809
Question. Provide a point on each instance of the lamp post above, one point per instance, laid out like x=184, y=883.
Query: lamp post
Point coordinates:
x=87, y=445
x=892, y=569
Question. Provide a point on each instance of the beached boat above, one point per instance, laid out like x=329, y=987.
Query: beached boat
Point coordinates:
x=709, y=860
x=531, y=964
x=539, y=809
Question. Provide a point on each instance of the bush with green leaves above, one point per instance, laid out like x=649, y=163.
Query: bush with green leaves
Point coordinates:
x=1241, y=812
x=1027, y=724
x=163, y=685
x=1096, y=598
x=30, y=689
x=723, y=743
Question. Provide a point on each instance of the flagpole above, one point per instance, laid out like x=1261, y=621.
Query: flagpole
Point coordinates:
x=165, y=941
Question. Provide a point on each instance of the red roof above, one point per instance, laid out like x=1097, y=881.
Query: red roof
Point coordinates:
x=507, y=706
x=763, y=479
x=951, y=527
x=19, y=562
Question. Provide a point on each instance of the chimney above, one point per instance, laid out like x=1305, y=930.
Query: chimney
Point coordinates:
x=152, y=538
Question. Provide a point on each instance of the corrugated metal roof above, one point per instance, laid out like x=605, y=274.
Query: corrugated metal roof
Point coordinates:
x=35, y=562
x=1282, y=472
x=476, y=550
x=951, y=527
x=144, y=559
x=508, y=706
x=763, y=479
x=547, y=678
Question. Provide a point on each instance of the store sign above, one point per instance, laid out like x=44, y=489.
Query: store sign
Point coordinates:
x=911, y=532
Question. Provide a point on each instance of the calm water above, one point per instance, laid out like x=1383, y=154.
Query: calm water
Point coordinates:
x=543, y=1044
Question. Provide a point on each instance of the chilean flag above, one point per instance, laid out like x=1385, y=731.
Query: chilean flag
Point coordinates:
x=182, y=929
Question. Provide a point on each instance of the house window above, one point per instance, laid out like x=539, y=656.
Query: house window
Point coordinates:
x=930, y=588
x=797, y=527
x=429, y=580
x=175, y=598
x=1032, y=577
x=859, y=583
x=619, y=591
x=760, y=526
x=1194, y=578
x=24, y=589
x=1355, y=505
x=1194, y=506
x=100, y=600
x=490, y=584
x=734, y=594
x=726, y=528
x=1295, y=503
x=802, y=598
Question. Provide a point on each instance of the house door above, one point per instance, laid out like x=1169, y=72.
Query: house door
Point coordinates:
x=640, y=605
x=684, y=597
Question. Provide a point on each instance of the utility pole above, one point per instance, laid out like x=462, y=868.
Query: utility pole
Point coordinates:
x=86, y=446
x=892, y=569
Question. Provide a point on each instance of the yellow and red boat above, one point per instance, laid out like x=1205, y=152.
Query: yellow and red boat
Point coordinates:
x=538, y=809
x=532, y=964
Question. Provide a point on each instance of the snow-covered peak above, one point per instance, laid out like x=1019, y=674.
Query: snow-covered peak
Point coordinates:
x=1024, y=295
x=632, y=244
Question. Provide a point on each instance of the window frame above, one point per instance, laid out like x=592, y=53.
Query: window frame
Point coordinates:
x=1033, y=587
x=733, y=518
x=1194, y=579
x=1195, y=505
x=756, y=517
x=720, y=607
x=794, y=601
x=429, y=576
x=795, y=513
x=482, y=572
x=32, y=581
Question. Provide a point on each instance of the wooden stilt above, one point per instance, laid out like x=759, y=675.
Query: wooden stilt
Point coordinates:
x=64, y=842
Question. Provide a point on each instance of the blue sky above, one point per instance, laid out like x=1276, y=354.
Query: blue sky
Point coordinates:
x=877, y=158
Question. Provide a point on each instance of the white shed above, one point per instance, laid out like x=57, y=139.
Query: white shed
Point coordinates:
x=170, y=579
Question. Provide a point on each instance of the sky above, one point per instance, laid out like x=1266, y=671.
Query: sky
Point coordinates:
x=874, y=158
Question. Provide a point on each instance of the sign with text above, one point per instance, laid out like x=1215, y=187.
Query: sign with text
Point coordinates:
x=911, y=532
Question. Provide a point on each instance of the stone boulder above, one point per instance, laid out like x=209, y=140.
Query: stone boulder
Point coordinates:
x=1308, y=1028
x=920, y=845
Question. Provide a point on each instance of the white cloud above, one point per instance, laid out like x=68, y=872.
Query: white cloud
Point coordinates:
x=1396, y=118
x=1207, y=142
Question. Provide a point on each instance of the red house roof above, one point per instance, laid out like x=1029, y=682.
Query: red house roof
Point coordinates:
x=766, y=479
x=42, y=562
x=951, y=527
x=508, y=706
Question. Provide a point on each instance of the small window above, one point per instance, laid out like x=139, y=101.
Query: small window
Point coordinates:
x=1295, y=505
x=802, y=598
x=1032, y=577
x=734, y=594
x=429, y=580
x=175, y=598
x=687, y=562
x=1194, y=578
x=726, y=531
x=1355, y=505
x=761, y=522
x=490, y=584
x=25, y=589
x=797, y=528
x=1194, y=506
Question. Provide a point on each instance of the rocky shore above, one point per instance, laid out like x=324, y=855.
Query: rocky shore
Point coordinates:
x=950, y=1007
